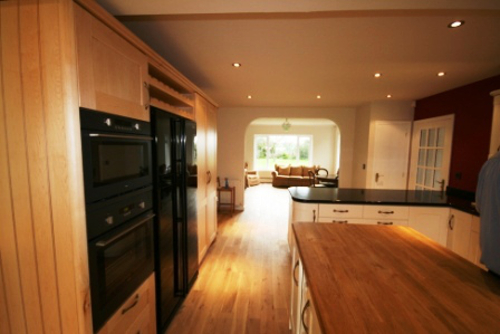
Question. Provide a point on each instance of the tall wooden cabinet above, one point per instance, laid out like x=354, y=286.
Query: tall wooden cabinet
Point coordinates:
x=57, y=56
x=112, y=73
x=206, y=121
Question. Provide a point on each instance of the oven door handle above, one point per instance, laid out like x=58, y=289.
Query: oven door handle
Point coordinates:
x=105, y=243
x=101, y=135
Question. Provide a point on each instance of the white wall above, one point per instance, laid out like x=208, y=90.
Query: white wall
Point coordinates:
x=232, y=124
x=324, y=141
x=361, y=146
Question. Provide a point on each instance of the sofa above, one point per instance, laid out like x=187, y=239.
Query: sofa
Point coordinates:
x=290, y=176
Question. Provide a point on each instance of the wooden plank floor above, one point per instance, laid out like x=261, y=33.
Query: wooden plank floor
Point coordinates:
x=244, y=282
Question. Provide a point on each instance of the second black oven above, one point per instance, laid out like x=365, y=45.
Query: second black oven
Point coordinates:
x=116, y=154
x=120, y=247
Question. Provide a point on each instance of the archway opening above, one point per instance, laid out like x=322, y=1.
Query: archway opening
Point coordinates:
x=293, y=141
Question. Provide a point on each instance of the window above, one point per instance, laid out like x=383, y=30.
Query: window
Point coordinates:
x=282, y=150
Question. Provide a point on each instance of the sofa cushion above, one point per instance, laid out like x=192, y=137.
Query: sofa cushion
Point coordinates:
x=283, y=170
x=296, y=170
x=306, y=169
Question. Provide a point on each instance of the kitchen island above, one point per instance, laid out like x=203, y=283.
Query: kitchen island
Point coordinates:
x=386, y=279
x=449, y=220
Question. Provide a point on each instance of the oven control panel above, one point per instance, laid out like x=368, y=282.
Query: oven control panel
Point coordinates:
x=106, y=215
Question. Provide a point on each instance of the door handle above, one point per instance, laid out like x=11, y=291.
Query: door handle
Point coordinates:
x=441, y=183
x=296, y=281
x=377, y=175
x=209, y=175
x=306, y=306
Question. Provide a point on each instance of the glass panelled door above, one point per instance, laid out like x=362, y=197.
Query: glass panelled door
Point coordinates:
x=431, y=152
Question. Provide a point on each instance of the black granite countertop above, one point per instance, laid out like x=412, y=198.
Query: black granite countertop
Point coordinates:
x=381, y=197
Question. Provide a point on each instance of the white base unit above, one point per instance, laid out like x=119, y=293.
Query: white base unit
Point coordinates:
x=459, y=231
x=430, y=221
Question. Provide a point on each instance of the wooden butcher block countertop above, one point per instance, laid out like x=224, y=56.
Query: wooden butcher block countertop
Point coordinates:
x=391, y=279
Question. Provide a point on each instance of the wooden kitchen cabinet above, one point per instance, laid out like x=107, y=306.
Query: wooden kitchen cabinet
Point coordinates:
x=137, y=314
x=112, y=73
x=206, y=134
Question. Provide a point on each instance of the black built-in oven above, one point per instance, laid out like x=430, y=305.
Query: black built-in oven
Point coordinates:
x=116, y=154
x=117, y=169
x=119, y=262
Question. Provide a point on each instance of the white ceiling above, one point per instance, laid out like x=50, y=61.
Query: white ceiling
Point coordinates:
x=292, y=51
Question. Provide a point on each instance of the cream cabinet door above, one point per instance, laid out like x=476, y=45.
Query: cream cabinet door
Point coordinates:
x=459, y=232
x=112, y=74
x=430, y=221
x=296, y=275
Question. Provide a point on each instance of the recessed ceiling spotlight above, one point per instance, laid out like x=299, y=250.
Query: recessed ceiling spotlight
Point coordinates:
x=236, y=65
x=377, y=75
x=441, y=74
x=318, y=97
x=389, y=96
x=249, y=97
x=456, y=24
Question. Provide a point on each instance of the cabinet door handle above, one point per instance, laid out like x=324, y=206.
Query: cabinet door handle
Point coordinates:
x=385, y=223
x=340, y=221
x=314, y=216
x=377, y=176
x=209, y=175
x=128, y=308
x=294, y=271
x=306, y=306
x=386, y=212
x=451, y=222
x=147, y=100
x=341, y=211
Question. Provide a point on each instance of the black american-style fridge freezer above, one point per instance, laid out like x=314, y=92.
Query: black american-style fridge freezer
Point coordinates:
x=175, y=189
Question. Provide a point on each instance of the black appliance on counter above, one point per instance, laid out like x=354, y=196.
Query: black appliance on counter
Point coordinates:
x=117, y=165
x=175, y=192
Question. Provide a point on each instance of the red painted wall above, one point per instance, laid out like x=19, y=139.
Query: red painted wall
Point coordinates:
x=473, y=109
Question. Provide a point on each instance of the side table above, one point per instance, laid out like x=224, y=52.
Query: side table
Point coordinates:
x=231, y=191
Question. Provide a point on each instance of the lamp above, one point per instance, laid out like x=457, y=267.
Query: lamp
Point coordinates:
x=286, y=125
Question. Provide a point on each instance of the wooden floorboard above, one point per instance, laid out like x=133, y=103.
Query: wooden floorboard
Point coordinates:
x=244, y=282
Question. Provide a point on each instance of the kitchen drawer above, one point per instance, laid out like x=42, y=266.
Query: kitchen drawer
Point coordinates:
x=341, y=220
x=385, y=212
x=399, y=222
x=340, y=211
x=137, y=313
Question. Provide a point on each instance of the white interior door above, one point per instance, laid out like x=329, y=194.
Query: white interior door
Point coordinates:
x=431, y=153
x=390, y=155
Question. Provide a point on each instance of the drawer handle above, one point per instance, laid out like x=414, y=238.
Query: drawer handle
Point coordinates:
x=386, y=212
x=340, y=221
x=128, y=308
x=294, y=271
x=340, y=211
x=306, y=306
x=385, y=223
